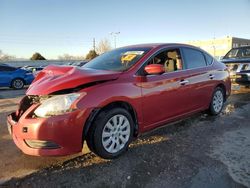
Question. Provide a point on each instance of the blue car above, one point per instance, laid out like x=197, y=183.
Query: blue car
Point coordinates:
x=14, y=77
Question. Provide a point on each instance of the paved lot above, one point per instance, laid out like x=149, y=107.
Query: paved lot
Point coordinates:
x=7, y=93
x=202, y=151
x=13, y=163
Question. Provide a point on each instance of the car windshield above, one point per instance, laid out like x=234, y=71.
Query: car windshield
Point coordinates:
x=117, y=60
x=238, y=53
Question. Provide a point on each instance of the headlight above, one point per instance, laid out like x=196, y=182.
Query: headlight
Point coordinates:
x=56, y=105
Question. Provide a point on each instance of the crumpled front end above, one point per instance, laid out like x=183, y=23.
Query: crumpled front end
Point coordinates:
x=48, y=120
x=50, y=136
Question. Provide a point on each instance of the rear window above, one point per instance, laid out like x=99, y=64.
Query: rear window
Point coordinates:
x=193, y=58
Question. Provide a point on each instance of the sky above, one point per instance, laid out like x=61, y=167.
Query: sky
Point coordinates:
x=56, y=27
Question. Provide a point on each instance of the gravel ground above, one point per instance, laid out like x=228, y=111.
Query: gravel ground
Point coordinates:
x=201, y=151
x=13, y=163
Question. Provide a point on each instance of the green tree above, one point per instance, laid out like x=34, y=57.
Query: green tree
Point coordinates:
x=91, y=55
x=37, y=56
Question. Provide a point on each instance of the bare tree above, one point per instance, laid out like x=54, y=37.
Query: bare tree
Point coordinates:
x=6, y=57
x=65, y=57
x=70, y=57
x=103, y=46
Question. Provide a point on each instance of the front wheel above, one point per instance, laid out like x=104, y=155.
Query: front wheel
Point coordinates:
x=17, y=83
x=217, y=101
x=111, y=133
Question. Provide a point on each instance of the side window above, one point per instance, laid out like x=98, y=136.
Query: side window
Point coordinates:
x=193, y=58
x=209, y=59
x=170, y=59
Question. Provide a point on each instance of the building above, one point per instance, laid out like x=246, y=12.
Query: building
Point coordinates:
x=218, y=47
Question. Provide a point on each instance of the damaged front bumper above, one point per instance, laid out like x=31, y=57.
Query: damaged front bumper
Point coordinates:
x=52, y=136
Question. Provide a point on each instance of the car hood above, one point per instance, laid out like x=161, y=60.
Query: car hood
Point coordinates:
x=58, y=78
x=235, y=60
x=23, y=70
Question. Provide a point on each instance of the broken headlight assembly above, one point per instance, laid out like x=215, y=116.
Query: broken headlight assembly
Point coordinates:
x=57, y=105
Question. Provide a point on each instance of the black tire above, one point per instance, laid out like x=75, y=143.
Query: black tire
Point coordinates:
x=17, y=83
x=213, y=108
x=94, y=136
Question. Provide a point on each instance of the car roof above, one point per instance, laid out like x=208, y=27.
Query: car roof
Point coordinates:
x=156, y=45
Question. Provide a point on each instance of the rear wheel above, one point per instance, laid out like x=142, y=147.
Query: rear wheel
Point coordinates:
x=17, y=83
x=111, y=133
x=217, y=101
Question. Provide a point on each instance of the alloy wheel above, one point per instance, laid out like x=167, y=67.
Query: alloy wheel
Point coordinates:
x=218, y=100
x=18, y=84
x=116, y=133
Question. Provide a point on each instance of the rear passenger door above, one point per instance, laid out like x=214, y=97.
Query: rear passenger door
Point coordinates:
x=201, y=76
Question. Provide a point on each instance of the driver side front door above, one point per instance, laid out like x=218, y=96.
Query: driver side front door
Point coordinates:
x=165, y=96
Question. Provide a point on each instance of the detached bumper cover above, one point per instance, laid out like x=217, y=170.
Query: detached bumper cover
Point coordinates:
x=36, y=136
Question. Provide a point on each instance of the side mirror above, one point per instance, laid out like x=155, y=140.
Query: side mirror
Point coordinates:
x=154, y=69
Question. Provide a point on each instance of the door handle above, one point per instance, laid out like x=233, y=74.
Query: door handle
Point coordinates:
x=211, y=76
x=184, y=82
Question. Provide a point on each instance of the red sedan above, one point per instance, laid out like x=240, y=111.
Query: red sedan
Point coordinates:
x=115, y=97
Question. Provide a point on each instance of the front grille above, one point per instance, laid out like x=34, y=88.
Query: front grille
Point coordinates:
x=27, y=102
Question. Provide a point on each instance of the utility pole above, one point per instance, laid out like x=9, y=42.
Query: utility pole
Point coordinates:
x=94, y=44
x=115, y=35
